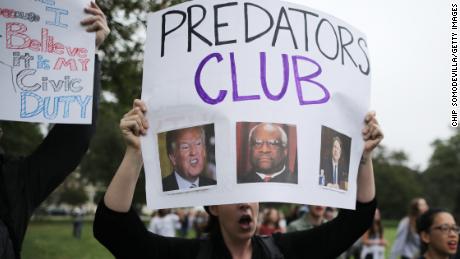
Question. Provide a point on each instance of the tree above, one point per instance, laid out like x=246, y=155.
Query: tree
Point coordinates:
x=442, y=177
x=20, y=138
x=122, y=77
x=396, y=183
x=71, y=191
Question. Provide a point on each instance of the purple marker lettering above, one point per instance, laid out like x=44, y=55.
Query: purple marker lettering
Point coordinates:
x=236, y=97
x=199, y=88
x=308, y=78
x=263, y=77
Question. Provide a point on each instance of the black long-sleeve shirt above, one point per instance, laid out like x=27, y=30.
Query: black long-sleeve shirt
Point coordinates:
x=125, y=236
x=25, y=182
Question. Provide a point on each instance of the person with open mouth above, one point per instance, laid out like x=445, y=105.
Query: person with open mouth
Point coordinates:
x=438, y=233
x=231, y=227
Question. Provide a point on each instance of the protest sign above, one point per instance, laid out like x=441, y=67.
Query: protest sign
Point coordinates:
x=253, y=101
x=46, y=62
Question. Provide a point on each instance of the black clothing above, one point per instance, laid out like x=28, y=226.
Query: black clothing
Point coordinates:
x=170, y=182
x=125, y=236
x=285, y=177
x=267, y=248
x=342, y=173
x=6, y=247
x=25, y=182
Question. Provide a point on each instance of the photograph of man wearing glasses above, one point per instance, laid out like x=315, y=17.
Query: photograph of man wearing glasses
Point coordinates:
x=268, y=151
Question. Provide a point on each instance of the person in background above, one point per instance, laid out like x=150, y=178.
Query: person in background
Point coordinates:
x=313, y=218
x=27, y=181
x=282, y=222
x=199, y=223
x=270, y=223
x=407, y=242
x=330, y=213
x=438, y=234
x=373, y=240
x=164, y=223
x=184, y=216
x=77, y=215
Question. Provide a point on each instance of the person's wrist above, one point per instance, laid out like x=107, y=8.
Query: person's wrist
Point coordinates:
x=365, y=158
x=133, y=149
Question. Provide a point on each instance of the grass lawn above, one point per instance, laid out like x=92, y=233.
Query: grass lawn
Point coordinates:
x=390, y=234
x=53, y=240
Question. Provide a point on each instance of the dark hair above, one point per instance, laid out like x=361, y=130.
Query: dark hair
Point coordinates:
x=424, y=223
x=163, y=212
x=266, y=219
x=376, y=229
x=414, y=210
x=212, y=228
x=334, y=139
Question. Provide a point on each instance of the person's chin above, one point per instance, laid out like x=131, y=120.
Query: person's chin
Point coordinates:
x=194, y=175
x=265, y=166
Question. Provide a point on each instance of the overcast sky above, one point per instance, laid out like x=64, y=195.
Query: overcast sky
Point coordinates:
x=409, y=45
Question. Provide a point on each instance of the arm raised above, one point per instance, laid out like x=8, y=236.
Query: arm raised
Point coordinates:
x=372, y=136
x=120, y=192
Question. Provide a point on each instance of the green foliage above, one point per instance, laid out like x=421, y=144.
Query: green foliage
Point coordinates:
x=122, y=77
x=106, y=149
x=396, y=183
x=74, y=196
x=442, y=177
x=20, y=138
x=439, y=184
x=70, y=192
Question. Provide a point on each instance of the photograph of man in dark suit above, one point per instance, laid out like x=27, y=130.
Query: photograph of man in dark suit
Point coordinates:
x=335, y=169
x=187, y=153
x=268, y=152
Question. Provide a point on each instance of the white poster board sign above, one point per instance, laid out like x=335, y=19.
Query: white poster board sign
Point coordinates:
x=46, y=62
x=253, y=101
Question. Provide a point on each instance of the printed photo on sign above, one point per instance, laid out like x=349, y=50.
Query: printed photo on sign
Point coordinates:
x=266, y=153
x=187, y=158
x=335, y=159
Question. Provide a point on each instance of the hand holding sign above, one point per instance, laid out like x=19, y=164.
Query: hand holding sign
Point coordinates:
x=235, y=65
x=96, y=23
x=27, y=58
x=120, y=192
x=372, y=134
x=48, y=60
x=134, y=124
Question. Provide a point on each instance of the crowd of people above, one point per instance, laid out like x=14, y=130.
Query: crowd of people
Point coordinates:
x=413, y=236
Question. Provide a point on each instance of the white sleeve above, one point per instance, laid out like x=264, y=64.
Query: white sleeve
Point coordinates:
x=400, y=240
